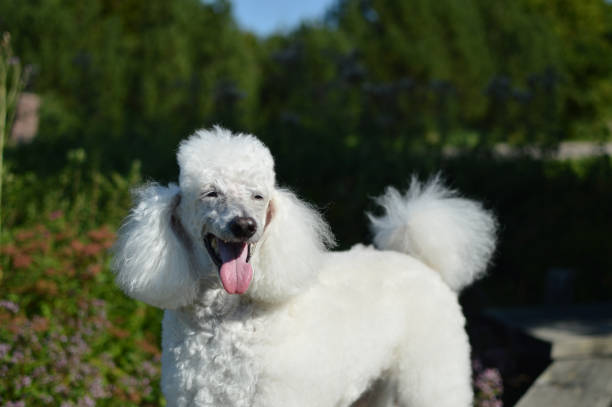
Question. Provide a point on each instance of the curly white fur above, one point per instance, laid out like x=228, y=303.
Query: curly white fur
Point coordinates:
x=314, y=328
x=297, y=232
x=453, y=235
x=152, y=265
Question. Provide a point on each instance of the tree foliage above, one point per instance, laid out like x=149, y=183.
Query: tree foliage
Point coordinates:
x=131, y=78
x=361, y=99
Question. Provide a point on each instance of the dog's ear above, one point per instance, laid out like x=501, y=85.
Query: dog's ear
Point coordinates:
x=151, y=255
x=289, y=252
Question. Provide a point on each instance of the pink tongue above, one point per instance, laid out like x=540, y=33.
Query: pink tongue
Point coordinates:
x=235, y=272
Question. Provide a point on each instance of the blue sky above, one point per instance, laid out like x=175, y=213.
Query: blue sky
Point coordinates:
x=266, y=16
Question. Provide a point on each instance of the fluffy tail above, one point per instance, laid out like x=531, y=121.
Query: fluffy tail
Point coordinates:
x=453, y=235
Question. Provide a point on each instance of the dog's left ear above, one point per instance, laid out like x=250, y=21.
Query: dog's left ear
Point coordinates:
x=289, y=252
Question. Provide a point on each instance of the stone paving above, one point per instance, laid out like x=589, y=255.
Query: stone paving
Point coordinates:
x=581, y=348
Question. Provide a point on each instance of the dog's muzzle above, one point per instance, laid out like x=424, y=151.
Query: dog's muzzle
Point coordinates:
x=232, y=259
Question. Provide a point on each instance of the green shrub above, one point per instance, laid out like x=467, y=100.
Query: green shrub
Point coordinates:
x=67, y=335
x=84, y=196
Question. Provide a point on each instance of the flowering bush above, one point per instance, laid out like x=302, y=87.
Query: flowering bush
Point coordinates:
x=68, y=336
x=488, y=386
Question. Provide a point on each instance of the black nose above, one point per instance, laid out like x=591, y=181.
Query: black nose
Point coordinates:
x=243, y=227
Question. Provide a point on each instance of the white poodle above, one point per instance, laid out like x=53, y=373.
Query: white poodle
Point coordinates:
x=260, y=313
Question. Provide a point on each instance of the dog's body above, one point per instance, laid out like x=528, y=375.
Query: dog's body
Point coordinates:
x=305, y=327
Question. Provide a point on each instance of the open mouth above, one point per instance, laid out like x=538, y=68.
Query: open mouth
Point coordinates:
x=232, y=259
x=213, y=244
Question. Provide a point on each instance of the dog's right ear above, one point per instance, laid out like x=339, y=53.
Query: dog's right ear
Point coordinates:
x=151, y=256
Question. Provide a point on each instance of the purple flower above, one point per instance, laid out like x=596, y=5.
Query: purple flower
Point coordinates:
x=4, y=349
x=149, y=368
x=61, y=389
x=25, y=381
x=492, y=376
x=17, y=357
x=39, y=371
x=61, y=362
x=488, y=386
x=97, y=389
x=98, y=303
x=86, y=402
x=9, y=305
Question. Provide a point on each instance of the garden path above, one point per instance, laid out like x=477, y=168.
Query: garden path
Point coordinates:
x=580, y=374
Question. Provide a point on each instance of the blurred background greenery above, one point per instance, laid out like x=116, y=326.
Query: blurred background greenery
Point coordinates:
x=361, y=99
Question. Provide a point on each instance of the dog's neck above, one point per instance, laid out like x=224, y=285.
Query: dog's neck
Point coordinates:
x=214, y=305
x=218, y=340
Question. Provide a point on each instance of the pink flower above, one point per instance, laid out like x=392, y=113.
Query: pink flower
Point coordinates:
x=22, y=261
x=92, y=249
x=24, y=235
x=77, y=246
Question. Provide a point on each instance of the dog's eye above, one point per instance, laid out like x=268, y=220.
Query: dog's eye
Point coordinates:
x=210, y=194
x=258, y=197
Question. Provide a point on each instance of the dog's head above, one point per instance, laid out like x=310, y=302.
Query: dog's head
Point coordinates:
x=227, y=182
x=226, y=223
